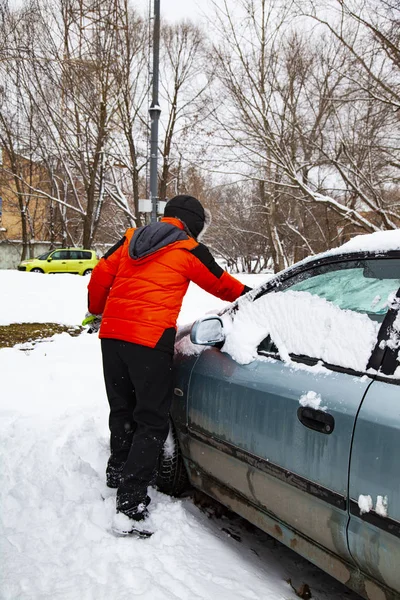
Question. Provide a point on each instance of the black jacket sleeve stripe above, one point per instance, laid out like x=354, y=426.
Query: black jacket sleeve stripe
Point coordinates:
x=204, y=255
x=114, y=248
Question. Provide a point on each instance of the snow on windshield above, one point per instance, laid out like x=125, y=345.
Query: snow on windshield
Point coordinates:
x=301, y=323
x=394, y=335
x=394, y=339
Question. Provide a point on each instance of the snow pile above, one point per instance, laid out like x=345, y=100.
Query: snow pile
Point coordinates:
x=381, y=507
x=365, y=504
x=312, y=400
x=394, y=338
x=301, y=323
x=38, y=298
x=393, y=341
x=56, y=510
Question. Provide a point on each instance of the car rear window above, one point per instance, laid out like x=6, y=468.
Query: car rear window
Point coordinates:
x=79, y=254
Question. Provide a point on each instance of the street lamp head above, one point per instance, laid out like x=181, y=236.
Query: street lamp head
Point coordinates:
x=155, y=111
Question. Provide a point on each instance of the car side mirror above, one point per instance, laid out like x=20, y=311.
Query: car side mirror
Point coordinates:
x=207, y=331
x=49, y=259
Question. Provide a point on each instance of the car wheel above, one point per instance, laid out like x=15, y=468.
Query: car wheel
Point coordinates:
x=87, y=272
x=36, y=270
x=172, y=477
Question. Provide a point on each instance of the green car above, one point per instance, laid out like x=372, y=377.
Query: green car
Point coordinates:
x=68, y=260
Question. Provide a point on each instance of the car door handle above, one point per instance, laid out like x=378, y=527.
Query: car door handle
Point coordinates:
x=318, y=420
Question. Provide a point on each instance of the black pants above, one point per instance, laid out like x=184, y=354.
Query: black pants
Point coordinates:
x=139, y=388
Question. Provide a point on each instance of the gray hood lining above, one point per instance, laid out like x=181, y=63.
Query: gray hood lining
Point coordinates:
x=150, y=238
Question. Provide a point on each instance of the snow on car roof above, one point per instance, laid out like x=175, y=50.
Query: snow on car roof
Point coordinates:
x=379, y=241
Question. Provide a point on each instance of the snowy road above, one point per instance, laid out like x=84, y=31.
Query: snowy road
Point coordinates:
x=56, y=509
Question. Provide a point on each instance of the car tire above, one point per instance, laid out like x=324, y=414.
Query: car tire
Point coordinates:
x=36, y=270
x=172, y=477
x=87, y=272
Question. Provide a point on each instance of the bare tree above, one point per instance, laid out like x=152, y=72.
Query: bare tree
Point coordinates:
x=370, y=31
x=18, y=172
x=366, y=152
x=129, y=151
x=295, y=114
x=70, y=74
x=288, y=115
x=184, y=80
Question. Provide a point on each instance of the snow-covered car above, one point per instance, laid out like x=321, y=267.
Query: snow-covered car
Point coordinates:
x=286, y=409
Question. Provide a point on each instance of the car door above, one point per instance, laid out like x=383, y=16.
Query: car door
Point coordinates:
x=58, y=263
x=279, y=432
x=75, y=261
x=374, y=484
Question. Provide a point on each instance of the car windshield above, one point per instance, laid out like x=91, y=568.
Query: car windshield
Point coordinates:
x=44, y=256
x=330, y=312
x=362, y=286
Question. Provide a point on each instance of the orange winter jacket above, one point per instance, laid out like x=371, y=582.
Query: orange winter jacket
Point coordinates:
x=139, y=284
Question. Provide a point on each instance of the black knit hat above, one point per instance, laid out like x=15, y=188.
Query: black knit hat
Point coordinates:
x=189, y=210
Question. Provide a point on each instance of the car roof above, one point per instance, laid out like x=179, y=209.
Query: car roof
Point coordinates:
x=72, y=248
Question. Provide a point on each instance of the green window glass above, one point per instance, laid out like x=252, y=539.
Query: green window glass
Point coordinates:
x=362, y=286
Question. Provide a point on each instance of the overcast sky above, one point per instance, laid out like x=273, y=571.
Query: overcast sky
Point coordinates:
x=174, y=10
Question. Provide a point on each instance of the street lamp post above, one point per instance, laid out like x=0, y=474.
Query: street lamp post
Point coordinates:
x=154, y=112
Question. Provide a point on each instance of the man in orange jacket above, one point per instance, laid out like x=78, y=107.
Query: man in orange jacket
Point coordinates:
x=138, y=289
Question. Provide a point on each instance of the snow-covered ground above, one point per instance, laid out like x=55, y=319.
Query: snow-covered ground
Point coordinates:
x=55, y=507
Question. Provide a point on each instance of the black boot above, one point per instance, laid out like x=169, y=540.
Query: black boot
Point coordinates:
x=114, y=474
x=132, y=524
x=131, y=508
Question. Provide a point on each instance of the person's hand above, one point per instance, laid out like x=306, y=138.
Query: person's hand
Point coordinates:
x=93, y=322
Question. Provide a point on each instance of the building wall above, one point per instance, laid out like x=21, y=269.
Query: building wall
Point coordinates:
x=37, y=208
x=10, y=251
